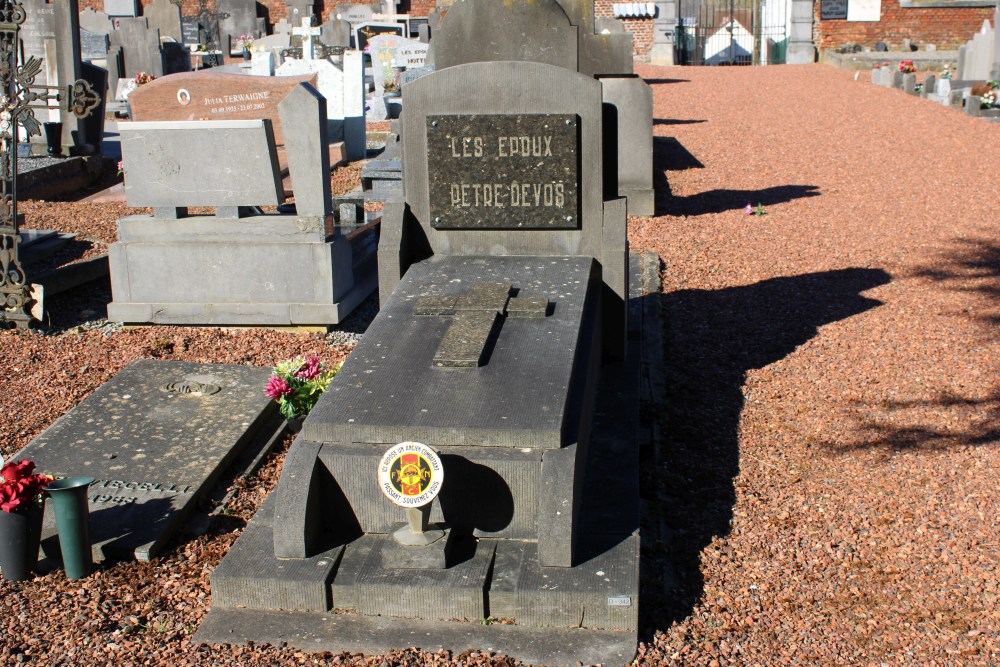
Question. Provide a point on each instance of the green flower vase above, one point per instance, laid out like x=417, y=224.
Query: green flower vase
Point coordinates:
x=72, y=510
x=20, y=535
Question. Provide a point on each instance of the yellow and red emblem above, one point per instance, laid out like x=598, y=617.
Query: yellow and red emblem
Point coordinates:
x=410, y=474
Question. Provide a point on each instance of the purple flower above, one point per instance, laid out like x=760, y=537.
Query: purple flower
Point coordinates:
x=277, y=387
x=748, y=210
x=309, y=369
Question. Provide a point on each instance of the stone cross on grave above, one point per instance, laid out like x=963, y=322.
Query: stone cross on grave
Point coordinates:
x=307, y=32
x=477, y=313
x=20, y=97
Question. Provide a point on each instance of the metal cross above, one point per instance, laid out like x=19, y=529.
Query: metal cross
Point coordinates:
x=307, y=32
x=20, y=97
x=209, y=22
x=477, y=313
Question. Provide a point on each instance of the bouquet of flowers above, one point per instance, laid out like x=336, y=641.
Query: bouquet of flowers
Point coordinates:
x=297, y=384
x=946, y=72
x=20, y=488
x=246, y=41
x=906, y=67
x=987, y=94
x=142, y=78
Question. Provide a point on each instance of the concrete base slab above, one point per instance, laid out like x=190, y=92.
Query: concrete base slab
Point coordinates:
x=373, y=635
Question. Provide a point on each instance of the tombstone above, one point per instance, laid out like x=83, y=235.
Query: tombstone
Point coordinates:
x=364, y=33
x=355, y=14
x=165, y=16
x=390, y=55
x=282, y=27
x=930, y=85
x=630, y=100
x=909, y=83
x=94, y=21
x=424, y=33
x=298, y=10
x=486, y=487
x=134, y=49
x=896, y=80
x=93, y=125
x=336, y=32
x=51, y=33
x=343, y=88
x=135, y=436
x=118, y=8
x=976, y=57
x=252, y=269
x=93, y=45
x=262, y=63
x=236, y=17
x=214, y=96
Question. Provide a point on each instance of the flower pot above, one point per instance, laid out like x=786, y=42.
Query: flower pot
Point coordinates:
x=53, y=135
x=20, y=534
x=72, y=510
x=246, y=55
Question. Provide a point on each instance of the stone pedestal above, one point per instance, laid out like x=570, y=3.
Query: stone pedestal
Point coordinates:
x=801, y=49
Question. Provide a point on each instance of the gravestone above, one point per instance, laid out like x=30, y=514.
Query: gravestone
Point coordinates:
x=93, y=45
x=134, y=49
x=336, y=32
x=262, y=63
x=165, y=16
x=51, y=33
x=154, y=438
x=212, y=96
x=93, y=124
x=390, y=55
x=343, y=88
x=253, y=269
x=364, y=33
x=95, y=21
x=121, y=8
x=356, y=14
x=300, y=9
x=236, y=17
x=190, y=31
x=455, y=469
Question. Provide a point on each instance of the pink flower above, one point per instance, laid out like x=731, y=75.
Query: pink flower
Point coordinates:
x=277, y=387
x=309, y=369
x=748, y=210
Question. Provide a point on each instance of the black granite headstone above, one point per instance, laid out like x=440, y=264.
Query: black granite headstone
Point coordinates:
x=154, y=438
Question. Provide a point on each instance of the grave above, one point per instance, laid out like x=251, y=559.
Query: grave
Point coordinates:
x=336, y=32
x=356, y=15
x=121, y=8
x=252, y=268
x=154, y=438
x=562, y=34
x=237, y=17
x=364, y=33
x=135, y=48
x=382, y=176
x=165, y=16
x=391, y=56
x=477, y=454
x=95, y=21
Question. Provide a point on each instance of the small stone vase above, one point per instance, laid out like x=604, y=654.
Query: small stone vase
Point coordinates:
x=20, y=535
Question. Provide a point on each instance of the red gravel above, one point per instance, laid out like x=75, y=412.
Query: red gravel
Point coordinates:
x=824, y=488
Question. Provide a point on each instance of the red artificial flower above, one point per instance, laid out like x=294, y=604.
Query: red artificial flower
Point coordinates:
x=277, y=387
x=309, y=369
x=12, y=472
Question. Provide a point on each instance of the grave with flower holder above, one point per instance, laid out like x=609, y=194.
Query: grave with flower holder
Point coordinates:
x=501, y=351
x=239, y=266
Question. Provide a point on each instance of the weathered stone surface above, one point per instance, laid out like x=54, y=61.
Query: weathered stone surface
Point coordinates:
x=166, y=163
x=121, y=7
x=303, y=114
x=210, y=96
x=93, y=45
x=336, y=32
x=165, y=16
x=134, y=48
x=498, y=171
x=632, y=100
x=154, y=438
x=95, y=21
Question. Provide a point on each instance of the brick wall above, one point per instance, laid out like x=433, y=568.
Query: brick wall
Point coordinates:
x=945, y=27
x=641, y=29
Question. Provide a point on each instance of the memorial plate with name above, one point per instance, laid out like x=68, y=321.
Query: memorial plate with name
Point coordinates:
x=503, y=171
x=154, y=437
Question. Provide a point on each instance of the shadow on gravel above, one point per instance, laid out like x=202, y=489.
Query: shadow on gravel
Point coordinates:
x=656, y=82
x=718, y=201
x=678, y=121
x=972, y=267
x=711, y=339
x=668, y=155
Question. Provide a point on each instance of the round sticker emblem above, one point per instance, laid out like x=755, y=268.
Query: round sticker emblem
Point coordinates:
x=410, y=474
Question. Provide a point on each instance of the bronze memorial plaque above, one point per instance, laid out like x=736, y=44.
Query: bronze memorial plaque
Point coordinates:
x=488, y=171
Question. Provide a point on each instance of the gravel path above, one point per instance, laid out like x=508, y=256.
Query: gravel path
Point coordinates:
x=824, y=489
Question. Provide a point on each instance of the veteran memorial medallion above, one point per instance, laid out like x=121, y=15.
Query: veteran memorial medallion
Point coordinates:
x=410, y=474
x=503, y=171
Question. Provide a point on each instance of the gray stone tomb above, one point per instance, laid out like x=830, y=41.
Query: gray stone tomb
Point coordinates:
x=500, y=345
x=252, y=268
x=165, y=16
x=134, y=48
x=154, y=438
x=236, y=18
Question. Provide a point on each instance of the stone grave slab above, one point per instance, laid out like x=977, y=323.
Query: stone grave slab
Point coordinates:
x=236, y=17
x=95, y=21
x=136, y=47
x=336, y=32
x=210, y=96
x=356, y=14
x=93, y=45
x=154, y=438
x=165, y=16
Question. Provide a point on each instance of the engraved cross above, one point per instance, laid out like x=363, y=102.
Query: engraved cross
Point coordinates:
x=477, y=313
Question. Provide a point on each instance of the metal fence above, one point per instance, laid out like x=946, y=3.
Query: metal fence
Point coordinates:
x=732, y=32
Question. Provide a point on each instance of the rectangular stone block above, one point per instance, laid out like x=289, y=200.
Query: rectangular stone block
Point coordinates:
x=200, y=163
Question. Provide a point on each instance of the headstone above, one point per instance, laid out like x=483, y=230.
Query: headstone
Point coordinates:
x=93, y=45
x=298, y=10
x=343, y=88
x=897, y=79
x=154, y=438
x=134, y=49
x=121, y=7
x=165, y=16
x=190, y=31
x=236, y=17
x=51, y=33
x=253, y=268
x=95, y=21
x=212, y=96
x=502, y=287
x=336, y=32
x=629, y=107
x=282, y=27
x=307, y=32
x=303, y=114
x=262, y=63
x=355, y=14
x=93, y=125
x=930, y=85
x=909, y=83
x=364, y=33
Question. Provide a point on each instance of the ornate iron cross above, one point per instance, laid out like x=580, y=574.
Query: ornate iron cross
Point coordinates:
x=477, y=313
x=20, y=98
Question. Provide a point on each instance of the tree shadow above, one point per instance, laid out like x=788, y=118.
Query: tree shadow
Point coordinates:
x=678, y=121
x=973, y=266
x=711, y=339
